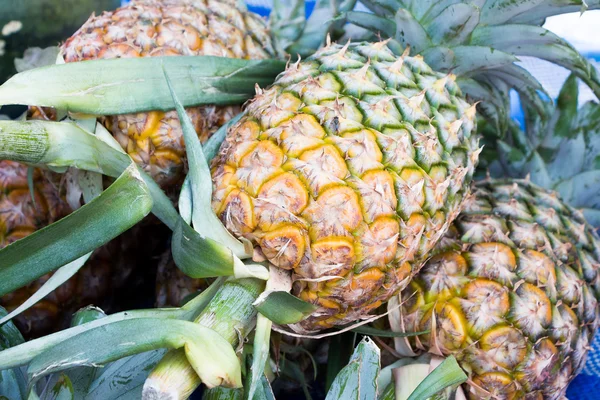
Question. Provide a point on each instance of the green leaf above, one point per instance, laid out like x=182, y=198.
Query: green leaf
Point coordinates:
x=13, y=383
x=293, y=371
x=539, y=13
x=59, y=277
x=358, y=380
x=454, y=24
x=87, y=314
x=120, y=207
x=200, y=257
x=25, y=352
x=212, y=357
x=319, y=24
x=410, y=32
x=283, y=308
x=221, y=393
x=287, y=21
x=566, y=107
x=447, y=374
x=124, y=378
x=388, y=393
x=496, y=12
x=384, y=8
x=131, y=85
x=465, y=60
x=340, y=350
x=231, y=314
x=384, y=26
x=264, y=390
x=62, y=390
x=203, y=218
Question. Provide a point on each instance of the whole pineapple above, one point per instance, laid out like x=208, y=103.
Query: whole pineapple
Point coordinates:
x=347, y=171
x=147, y=28
x=511, y=292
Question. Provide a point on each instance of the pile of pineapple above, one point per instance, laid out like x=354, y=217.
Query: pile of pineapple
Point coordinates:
x=309, y=180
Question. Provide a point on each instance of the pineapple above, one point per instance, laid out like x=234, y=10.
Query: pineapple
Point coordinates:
x=347, y=171
x=511, y=291
x=147, y=28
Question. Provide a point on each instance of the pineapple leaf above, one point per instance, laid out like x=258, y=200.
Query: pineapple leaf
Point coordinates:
x=231, y=314
x=62, y=390
x=358, y=379
x=13, y=383
x=566, y=105
x=203, y=218
x=447, y=374
x=382, y=26
x=340, y=350
x=212, y=357
x=283, y=308
x=25, y=352
x=496, y=12
x=210, y=148
x=124, y=378
x=87, y=314
x=454, y=24
x=287, y=21
x=222, y=393
x=131, y=85
x=185, y=201
x=465, y=60
x=385, y=8
x=410, y=32
x=260, y=350
x=319, y=25
x=200, y=257
x=59, y=277
x=120, y=207
x=539, y=13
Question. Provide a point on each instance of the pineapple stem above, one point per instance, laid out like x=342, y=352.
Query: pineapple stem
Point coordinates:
x=231, y=314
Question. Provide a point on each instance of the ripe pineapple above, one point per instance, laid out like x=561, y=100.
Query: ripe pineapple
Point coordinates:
x=147, y=28
x=347, y=171
x=511, y=292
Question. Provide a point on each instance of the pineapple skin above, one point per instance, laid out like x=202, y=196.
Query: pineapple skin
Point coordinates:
x=511, y=292
x=347, y=171
x=147, y=28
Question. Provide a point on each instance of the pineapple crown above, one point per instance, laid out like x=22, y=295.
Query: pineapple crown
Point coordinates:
x=479, y=41
x=562, y=153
